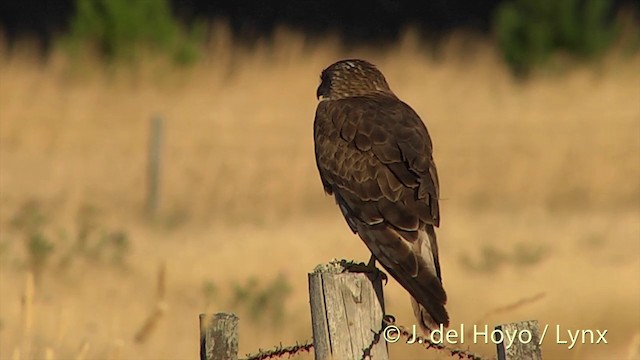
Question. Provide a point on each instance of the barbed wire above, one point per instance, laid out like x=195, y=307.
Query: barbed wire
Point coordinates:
x=388, y=320
x=280, y=351
x=366, y=352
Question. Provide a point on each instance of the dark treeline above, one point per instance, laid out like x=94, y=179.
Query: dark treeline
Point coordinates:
x=355, y=20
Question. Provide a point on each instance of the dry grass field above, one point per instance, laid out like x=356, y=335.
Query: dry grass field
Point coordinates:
x=540, y=197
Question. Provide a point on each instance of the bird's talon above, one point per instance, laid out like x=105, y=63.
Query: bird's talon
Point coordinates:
x=356, y=267
x=384, y=277
x=369, y=268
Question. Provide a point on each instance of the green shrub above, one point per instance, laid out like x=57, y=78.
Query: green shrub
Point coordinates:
x=30, y=221
x=491, y=259
x=264, y=302
x=529, y=31
x=119, y=29
x=93, y=243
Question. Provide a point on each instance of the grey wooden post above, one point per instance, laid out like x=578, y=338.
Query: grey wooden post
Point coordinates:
x=346, y=313
x=154, y=163
x=218, y=336
x=527, y=350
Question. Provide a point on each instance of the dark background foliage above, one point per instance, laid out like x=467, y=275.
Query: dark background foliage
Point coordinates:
x=357, y=20
x=527, y=32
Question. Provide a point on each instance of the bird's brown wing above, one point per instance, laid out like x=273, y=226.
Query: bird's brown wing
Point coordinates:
x=374, y=155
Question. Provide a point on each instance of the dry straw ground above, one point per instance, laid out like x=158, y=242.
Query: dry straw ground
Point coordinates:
x=540, y=187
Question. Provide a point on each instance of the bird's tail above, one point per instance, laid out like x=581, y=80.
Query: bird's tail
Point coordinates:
x=426, y=322
x=430, y=311
x=411, y=257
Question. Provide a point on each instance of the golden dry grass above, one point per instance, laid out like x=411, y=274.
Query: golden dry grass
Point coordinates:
x=552, y=163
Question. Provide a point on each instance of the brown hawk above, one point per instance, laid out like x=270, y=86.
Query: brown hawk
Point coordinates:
x=374, y=156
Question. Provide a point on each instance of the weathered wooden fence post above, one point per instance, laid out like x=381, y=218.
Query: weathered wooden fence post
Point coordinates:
x=347, y=310
x=528, y=348
x=218, y=336
x=154, y=163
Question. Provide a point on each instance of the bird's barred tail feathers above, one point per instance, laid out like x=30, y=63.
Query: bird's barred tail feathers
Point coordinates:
x=411, y=257
x=430, y=311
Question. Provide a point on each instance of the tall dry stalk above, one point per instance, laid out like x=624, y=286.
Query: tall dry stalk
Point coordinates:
x=27, y=310
x=159, y=309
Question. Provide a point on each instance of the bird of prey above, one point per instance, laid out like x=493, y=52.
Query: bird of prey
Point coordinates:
x=374, y=156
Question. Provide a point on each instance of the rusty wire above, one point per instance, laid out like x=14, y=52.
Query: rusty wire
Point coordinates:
x=280, y=350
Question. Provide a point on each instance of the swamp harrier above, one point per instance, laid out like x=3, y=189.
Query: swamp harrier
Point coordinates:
x=374, y=156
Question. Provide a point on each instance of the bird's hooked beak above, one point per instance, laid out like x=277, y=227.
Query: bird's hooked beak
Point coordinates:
x=319, y=94
x=322, y=93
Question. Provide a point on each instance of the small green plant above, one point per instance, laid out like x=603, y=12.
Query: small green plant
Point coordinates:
x=529, y=31
x=95, y=242
x=525, y=254
x=118, y=29
x=491, y=259
x=45, y=248
x=30, y=221
x=265, y=304
x=593, y=241
x=210, y=291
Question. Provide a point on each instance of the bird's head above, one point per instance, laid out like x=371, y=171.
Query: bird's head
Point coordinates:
x=352, y=77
